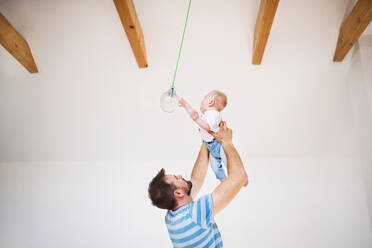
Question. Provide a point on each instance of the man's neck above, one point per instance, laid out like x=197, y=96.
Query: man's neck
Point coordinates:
x=185, y=201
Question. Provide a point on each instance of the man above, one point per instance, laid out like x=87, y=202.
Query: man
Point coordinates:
x=191, y=223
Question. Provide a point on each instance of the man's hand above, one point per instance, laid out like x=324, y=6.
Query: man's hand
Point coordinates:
x=224, y=135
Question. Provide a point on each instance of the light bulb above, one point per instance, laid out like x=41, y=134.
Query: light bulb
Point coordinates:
x=169, y=100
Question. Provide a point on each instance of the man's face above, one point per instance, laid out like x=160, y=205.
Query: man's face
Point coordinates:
x=179, y=182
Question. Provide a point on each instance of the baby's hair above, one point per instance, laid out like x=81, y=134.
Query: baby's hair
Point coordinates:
x=220, y=99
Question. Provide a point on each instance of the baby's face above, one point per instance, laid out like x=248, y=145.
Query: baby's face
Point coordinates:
x=207, y=100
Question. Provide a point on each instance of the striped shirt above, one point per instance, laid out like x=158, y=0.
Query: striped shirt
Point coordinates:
x=193, y=226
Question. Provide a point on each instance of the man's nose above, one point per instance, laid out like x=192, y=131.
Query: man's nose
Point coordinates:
x=179, y=177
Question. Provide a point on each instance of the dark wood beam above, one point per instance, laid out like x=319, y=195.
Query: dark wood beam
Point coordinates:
x=16, y=45
x=265, y=18
x=353, y=27
x=132, y=27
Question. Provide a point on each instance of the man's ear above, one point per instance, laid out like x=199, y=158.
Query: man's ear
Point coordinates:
x=178, y=193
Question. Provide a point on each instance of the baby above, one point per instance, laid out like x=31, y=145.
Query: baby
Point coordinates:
x=209, y=119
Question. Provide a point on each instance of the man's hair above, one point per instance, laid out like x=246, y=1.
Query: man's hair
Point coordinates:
x=161, y=192
x=221, y=100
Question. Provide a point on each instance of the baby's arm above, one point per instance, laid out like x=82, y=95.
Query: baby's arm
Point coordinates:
x=194, y=114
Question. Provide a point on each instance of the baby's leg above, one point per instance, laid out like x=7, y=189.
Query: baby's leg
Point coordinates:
x=217, y=167
x=223, y=157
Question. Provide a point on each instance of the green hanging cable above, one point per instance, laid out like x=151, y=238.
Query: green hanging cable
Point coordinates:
x=179, y=53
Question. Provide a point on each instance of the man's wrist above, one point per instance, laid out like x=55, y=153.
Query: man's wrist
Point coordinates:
x=227, y=143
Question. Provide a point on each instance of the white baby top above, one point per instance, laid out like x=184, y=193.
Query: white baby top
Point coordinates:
x=213, y=118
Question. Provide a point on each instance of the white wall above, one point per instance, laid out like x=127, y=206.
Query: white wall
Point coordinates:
x=310, y=202
x=80, y=140
x=360, y=84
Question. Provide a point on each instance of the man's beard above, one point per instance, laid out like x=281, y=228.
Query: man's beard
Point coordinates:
x=188, y=191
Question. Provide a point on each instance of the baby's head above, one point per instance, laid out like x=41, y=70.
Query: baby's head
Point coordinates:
x=214, y=100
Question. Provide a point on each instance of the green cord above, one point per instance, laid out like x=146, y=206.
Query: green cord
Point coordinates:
x=183, y=36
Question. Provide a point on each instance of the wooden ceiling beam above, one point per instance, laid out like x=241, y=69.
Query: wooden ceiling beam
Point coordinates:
x=132, y=27
x=16, y=45
x=265, y=18
x=353, y=27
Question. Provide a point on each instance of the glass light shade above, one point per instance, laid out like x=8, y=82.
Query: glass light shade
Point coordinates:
x=169, y=101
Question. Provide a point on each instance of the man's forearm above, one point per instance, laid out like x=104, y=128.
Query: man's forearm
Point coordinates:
x=199, y=170
x=237, y=177
x=235, y=167
x=229, y=188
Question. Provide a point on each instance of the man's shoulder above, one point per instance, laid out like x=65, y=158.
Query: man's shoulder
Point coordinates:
x=202, y=197
x=178, y=212
x=203, y=204
x=202, y=211
x=199, y=212
x=205, y=201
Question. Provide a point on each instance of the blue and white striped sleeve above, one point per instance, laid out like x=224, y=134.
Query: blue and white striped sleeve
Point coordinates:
x=202, y=211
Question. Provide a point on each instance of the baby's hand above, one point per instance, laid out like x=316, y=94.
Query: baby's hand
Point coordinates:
x=182, y=103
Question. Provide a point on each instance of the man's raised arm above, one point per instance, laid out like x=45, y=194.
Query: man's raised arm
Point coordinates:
x=228, y=188
x=199, y=171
